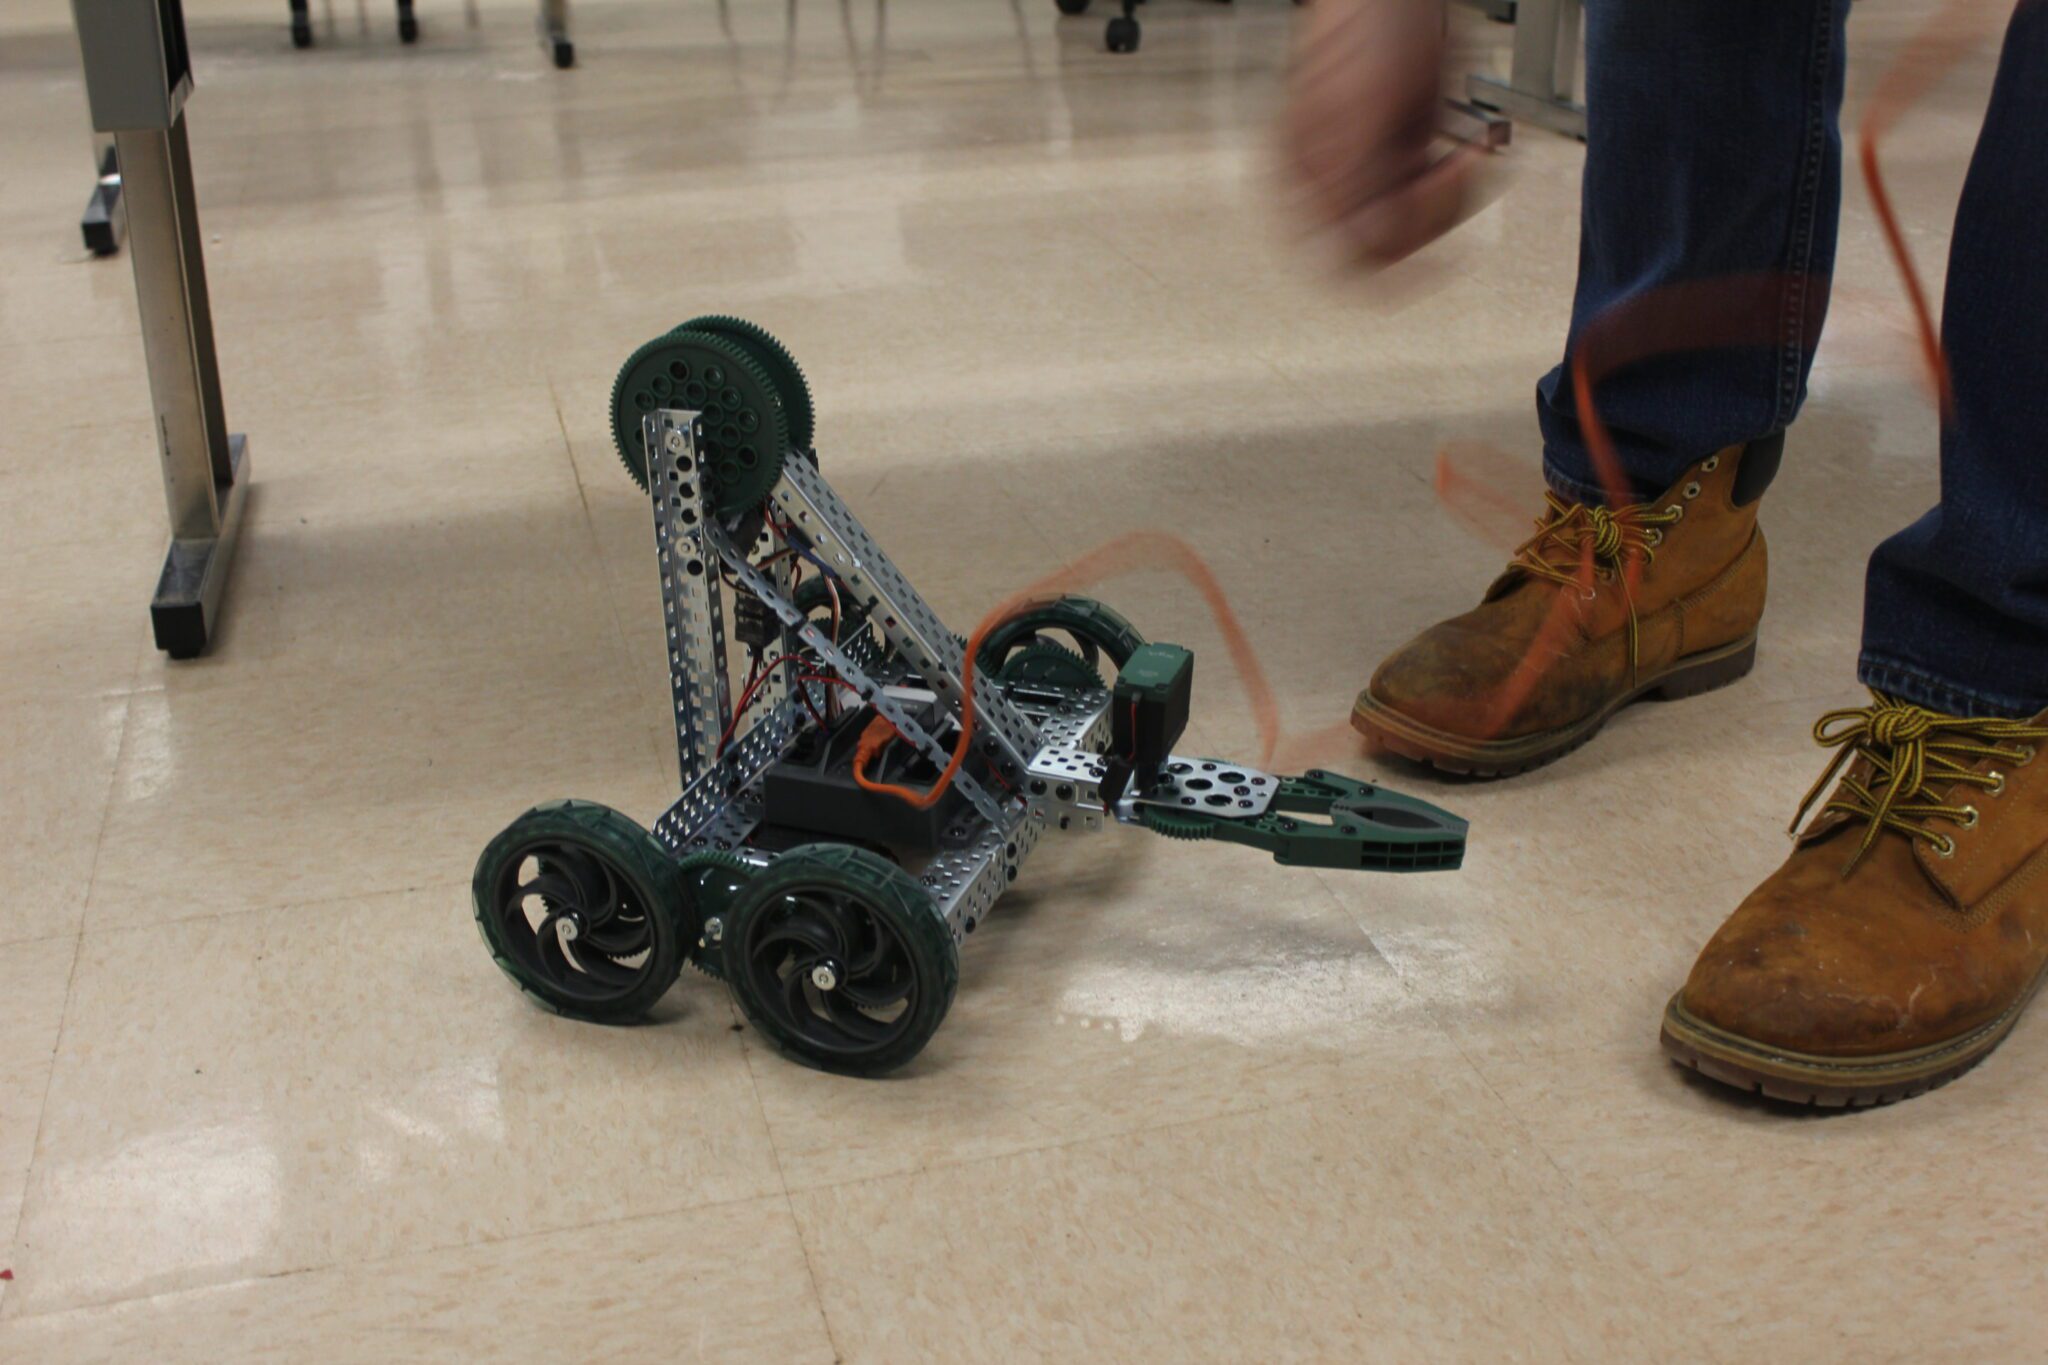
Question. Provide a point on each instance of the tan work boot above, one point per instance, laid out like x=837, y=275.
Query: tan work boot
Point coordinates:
x=1899, y=943
x=1600, y=607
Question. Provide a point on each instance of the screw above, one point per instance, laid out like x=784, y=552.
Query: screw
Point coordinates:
x=824, y=977
x=675, y=443
x=714, y=929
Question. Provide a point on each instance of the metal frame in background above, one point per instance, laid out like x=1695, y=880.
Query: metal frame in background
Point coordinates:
x=1542, y=83
x=554, y=28
x=137, y=77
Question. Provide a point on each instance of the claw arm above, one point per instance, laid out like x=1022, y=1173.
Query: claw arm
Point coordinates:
x=1325, y=819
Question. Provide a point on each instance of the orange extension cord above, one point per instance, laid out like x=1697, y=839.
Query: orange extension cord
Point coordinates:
x=1688, y=316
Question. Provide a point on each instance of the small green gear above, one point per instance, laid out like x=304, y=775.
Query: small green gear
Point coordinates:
x=772, y=356
x=711, y=878
x=746, y=435
x=1046, y=663
x=1175, y=824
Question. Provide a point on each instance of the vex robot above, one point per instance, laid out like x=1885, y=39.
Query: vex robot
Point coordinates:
x=858, y=788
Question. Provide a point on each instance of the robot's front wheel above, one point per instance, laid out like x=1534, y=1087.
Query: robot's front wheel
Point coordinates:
x=1073, y=6
x=580, y=907
x=1122, y=35
x=840, y=959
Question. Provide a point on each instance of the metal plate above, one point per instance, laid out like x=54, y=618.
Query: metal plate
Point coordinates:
x=966, y=882
x=1211, y=786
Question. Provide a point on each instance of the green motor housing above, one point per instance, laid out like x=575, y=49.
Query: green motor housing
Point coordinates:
x=1148, y=712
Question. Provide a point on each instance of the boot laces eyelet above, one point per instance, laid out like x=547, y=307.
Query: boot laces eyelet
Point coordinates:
x=1944, y=847
x=1710, y=464
x=1969, y=820
x=2026, y=755
x=1997, y=787
x=1677, y=512
x=1692, y=490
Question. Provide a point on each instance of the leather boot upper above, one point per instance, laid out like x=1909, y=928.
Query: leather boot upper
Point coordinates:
x=1902, y=919
x=1596, y=601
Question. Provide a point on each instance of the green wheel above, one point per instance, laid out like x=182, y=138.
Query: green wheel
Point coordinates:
x=840, y=959
x=772, y=356
x=1094, y=629
x=580, y=906
x=746, y=435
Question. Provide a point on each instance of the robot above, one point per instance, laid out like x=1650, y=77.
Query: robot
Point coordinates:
x=860, y=785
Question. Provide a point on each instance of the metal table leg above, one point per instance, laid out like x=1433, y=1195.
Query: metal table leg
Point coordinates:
x=103, y=223
x=138, y=73
x=206, y=471
x=554, y=32
x=1543, y=75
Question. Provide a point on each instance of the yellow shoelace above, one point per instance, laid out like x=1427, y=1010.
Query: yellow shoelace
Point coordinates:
x=1600, y=538
x=1912, y=749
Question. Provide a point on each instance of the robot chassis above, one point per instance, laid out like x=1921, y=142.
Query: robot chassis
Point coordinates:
x=835, y=910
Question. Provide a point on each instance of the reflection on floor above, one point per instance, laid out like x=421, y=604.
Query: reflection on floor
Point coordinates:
x=263, y=1096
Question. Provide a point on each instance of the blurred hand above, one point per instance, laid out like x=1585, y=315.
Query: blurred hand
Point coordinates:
x=1362, y=110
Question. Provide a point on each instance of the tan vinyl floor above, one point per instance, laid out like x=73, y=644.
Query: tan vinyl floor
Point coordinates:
x=262, y=1094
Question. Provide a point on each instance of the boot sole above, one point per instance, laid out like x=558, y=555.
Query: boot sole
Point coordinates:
x=1686, y=677
x=1831, y=1082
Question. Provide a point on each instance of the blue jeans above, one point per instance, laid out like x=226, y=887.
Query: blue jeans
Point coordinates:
x=1713, y=153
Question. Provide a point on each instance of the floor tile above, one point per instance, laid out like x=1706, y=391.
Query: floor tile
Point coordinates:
x=60, y=768
x=604, y=1292
x=259, y=1093
x=1333, y=1229
x=35, y=978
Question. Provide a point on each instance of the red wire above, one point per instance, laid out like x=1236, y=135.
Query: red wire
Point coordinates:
x=746, y=698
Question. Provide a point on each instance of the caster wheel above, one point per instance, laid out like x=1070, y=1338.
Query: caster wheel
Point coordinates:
x=580, y=907
x=302, y=35
x=840, y=959
x=1073, y=6
x=408, y=29
x=564, y=54
x=1122, y=35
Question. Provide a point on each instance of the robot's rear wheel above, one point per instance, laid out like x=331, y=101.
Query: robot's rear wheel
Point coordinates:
x=1073, y=6
x=579, y=906
x=1122, y=34
x=840, y=959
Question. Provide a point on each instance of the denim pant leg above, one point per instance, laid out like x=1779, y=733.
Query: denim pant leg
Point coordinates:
x=1712, y=150
x=1956, y=606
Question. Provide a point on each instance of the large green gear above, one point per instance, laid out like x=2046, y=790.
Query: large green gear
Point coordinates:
x=746, y=434
x=772, y=356
x=1047, y=663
